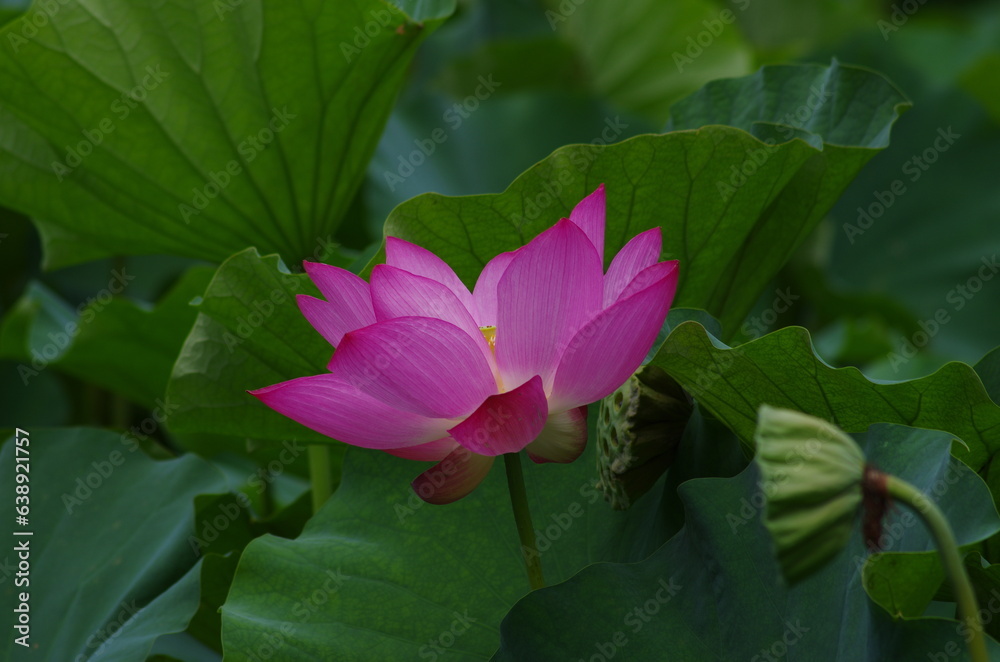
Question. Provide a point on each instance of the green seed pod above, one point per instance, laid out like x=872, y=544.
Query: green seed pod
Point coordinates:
x=811, y=473
x=638, y=429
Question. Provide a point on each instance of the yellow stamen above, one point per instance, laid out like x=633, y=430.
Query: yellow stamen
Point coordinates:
x=490, y=333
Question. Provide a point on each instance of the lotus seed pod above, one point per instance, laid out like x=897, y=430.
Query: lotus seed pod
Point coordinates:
x=638, y=430
x=811, y=473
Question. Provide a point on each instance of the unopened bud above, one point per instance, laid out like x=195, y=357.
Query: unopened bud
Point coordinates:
x=811, y=473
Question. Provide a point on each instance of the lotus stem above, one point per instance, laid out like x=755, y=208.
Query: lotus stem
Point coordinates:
x=320, y=475
x=522, y=516
x=968, y=608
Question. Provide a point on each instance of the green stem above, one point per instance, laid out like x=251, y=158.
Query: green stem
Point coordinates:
x=320, y=475
x=93, y=405
x=968, y=608
x=522, y=516
x=120, y=410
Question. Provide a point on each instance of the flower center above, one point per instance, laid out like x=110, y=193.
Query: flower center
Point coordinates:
x=490, y=333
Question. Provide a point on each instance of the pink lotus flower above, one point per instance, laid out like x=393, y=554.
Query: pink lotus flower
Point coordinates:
x=427, y=370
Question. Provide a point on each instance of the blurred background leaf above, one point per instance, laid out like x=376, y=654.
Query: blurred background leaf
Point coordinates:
x=112, y=341
x=646, y=54
x=11, y=9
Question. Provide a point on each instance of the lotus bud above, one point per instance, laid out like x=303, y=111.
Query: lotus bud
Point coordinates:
x=812, y=474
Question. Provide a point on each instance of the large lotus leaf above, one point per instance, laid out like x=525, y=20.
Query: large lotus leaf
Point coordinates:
x=733, y=201
x=988, y=369
x=248, y=334
x=197, y=128
x=378, y=574
x=714, y=591
x=109, y=596
x=782, y=369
